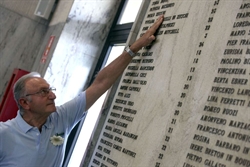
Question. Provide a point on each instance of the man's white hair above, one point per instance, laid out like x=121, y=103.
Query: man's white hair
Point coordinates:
x=19, y=87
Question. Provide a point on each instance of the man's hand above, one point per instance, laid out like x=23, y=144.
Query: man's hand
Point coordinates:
x=148, y=37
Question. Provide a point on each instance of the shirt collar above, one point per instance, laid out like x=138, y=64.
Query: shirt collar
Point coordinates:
x=48, y=123
x=22, y=124
x=25, y=126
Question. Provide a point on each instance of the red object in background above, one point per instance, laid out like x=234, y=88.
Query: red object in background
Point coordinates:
x=48, y=47
x=8, y=106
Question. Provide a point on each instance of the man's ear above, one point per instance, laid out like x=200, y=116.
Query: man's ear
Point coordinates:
x=24, y=103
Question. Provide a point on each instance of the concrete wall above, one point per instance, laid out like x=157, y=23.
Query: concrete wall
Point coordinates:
x=80, y=29
x=20, y=39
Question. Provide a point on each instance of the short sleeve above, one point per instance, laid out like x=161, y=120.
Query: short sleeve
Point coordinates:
x=70, y=113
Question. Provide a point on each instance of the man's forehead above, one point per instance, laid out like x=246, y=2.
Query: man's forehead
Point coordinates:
x=37, y=82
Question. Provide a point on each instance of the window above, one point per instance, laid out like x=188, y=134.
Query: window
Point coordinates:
x=113, y=48
x=130, y=11
x=91, y=118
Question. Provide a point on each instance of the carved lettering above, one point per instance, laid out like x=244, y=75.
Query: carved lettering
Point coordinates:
x=128, y=152
x=133, y=67
x=239, y=136
x=224, y=90
x=98, y=155
x=167, y=25
x=160, y=13
x=196, y=147
x=117, y=108
x=108, y=135
x=227, y=145
x=211, y=163
x=212, y=99
x=245, y=42
x=96, y=162
x=239, y=81
x=194, y=157
x=242, y=15
x=211, y=130
x=150, y=15
x=118, y=139
x=167, y=5
x=214, y=153
x=242, y=161
x=232, y=42
x=230, y=112
x=127, y=118
x=112, y=162
x=231, y=101
x=149, y=21
x=126, y=80
x=241, y=71
x=121, y=101
x=181, y=16
x=238, y=33
x=124, y=87
x=117, y=131
x=239, y=125
x=244, y=92
x=220, y=121
x=201, y=138
x=119, y=148
x=108, y=128
x=130, y=135
x=107, y=143
x=174, y=31
x=154, y=8
x=124, y=125
x=128, y=110
x=212, y=109
x=135, y=89
x=132, y=74
x=111, y=121
x=241, y=24
x=220, y=80
x=230, y=61
x=113, y=114
x=167, y=18
x=107, y=151
x=147, y=60
x=147, y=68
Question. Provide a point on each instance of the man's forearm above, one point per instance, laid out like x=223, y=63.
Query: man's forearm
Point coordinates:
x=106, y=77
x=110, y=73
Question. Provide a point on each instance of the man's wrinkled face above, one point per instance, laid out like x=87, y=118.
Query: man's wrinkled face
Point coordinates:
x=39, y=95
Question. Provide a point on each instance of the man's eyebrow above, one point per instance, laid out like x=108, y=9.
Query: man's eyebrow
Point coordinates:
x=44, y=87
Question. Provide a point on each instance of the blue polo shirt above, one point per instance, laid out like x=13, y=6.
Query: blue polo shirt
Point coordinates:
x=22, y=145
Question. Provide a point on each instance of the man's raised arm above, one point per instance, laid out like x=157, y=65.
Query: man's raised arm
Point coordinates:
x=108, y=75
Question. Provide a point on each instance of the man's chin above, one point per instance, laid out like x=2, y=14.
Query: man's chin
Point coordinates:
x=52, y=108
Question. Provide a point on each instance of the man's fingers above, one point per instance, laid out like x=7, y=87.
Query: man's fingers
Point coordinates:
x=158, y=22
x=149, y=36
x=152, y=37
x=156, y=25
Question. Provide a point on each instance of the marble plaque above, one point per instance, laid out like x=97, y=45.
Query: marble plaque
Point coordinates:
x=184, y=101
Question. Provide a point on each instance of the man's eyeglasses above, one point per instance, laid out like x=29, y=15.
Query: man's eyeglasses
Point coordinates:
x=43, y=92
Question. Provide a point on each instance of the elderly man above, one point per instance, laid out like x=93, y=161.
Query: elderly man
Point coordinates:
x=38, y=134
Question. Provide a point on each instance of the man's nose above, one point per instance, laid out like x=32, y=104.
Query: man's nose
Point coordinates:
x=52, y=95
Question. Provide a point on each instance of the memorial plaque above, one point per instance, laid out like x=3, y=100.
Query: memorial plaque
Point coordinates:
x=184, y=101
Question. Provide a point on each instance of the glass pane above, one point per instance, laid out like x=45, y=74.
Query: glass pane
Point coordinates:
x=91, y=118
x=130, y=11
